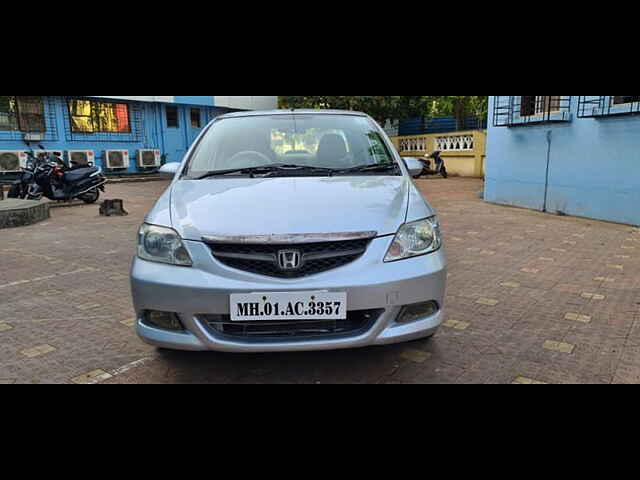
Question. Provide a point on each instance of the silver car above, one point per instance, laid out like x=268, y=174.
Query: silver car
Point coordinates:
x=288, y=231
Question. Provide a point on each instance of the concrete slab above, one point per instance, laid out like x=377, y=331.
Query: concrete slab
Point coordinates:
x=18, y=213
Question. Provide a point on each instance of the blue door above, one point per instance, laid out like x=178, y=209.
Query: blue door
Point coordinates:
x=174, y=123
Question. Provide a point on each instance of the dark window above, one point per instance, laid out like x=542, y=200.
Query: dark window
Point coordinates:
x=24, y=113
x=535, y=105
x=172, y=117
x=528, y=106
x=195, y=118
x=90, y=116
x=622, y=100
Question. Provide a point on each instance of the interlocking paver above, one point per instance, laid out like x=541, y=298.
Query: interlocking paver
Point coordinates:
x=593, y=296
x=95, y=376
x=65, y=285
x=491, y=302
x=561, y=347
x=530, y=270
x=577, y=317
x=455, y=324
x=527, y=381
x=416, y=356
x=37, y=351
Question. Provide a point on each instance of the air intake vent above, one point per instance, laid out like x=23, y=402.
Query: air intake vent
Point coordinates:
x=265, y=259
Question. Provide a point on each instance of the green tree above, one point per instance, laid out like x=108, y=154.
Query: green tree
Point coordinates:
x=461, y=107
x=384, y=108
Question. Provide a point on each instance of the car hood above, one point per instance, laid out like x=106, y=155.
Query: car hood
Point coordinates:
x=288, y=206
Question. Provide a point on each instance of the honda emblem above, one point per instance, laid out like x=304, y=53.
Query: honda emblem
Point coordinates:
x=289, y=259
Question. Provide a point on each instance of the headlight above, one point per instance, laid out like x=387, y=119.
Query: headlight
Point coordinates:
x=161, y=244
x=415, y=239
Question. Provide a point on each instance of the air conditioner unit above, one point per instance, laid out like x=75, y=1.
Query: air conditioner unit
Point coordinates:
x=81, y=157
x=148, y=158
x=12, y=161
x=116, y=159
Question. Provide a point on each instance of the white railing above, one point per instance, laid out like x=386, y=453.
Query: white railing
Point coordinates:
x=454, y=143
x=416, y=144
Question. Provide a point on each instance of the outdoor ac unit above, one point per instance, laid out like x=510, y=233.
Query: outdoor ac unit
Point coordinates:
x=116, y=159
x=148, y=158
x=81, y=157
x=12, y=161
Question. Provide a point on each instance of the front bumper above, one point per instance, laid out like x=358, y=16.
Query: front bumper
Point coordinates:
x=204, y=289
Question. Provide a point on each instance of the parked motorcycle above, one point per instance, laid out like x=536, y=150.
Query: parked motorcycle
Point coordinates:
x=440, y=167
x=48, y=176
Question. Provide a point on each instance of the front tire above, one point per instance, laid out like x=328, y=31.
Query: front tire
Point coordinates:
x=444, y=173
x=90, y=197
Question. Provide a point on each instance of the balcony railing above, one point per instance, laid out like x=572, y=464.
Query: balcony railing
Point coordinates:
x=595, y=107
x=513, y=111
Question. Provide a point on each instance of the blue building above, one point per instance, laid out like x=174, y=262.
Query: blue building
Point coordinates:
x=577, y=155
x=122, y=134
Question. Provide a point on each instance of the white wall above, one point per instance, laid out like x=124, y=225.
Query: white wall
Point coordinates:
x=247, y=103
x=144, y=99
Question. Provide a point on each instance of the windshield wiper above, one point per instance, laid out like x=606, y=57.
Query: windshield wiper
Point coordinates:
x=265, y=169
x=376, y=167
x=300, y=168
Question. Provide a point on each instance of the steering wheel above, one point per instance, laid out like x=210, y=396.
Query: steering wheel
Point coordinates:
x=259, y=159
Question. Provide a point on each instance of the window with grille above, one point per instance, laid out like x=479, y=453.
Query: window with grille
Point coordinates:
x=24, y=113
x=608, y=106
x=513, y=111
x=624, y=100
x=91, y=116
x=538, y=105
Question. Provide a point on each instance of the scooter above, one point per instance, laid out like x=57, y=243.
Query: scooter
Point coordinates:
x=48, y=176
x=440, y=167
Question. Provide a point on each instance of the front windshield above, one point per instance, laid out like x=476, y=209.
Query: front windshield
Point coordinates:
x=320, y=141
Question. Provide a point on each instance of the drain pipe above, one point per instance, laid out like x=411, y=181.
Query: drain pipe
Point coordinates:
x=546, y=185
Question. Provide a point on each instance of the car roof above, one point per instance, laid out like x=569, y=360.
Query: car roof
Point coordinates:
x=260, y=113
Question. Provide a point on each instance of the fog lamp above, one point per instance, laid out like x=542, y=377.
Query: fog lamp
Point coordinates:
x=163, y=320
x=417, y=311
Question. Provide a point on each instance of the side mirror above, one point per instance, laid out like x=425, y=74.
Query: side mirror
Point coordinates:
x=169, y=169
x=414, y=166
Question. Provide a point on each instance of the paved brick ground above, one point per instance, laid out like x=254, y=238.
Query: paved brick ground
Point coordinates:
x=532, y=298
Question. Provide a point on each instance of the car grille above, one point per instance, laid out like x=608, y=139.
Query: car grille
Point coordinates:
x=315, y=257
x=357, y=323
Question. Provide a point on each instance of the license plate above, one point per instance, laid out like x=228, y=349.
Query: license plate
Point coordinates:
x=288, y=306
